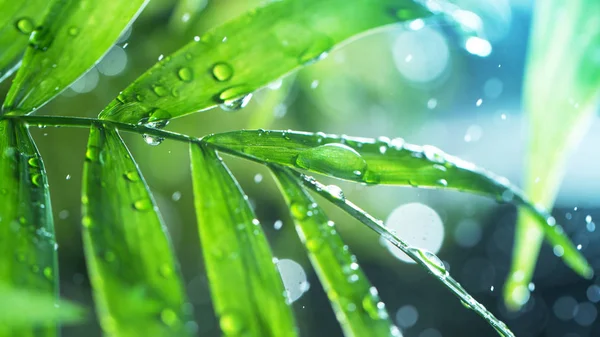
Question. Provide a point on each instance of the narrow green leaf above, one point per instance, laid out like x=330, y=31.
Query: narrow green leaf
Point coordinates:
x=74, y=34
x=235, y=59
x=562, y=91
x=22, y=309
x=385, y=161
x=17, y=21
x=354, y=300
x=426, y=259
x=136, y=280
x=27, y=243
x=246, y=288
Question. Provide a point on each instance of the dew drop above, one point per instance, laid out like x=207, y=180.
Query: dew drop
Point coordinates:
x=234, y=98
x=335, y=192
x=336, y=159
x=185, y=74
x=25, y=25
x=132, y=176
x=433, y=263
x=160, y=91
x=143, y=205
x=152, y=140
x=34, y=162
x=231, y=323
x=158, y=119
x=40, y=39
x=222, y=71
x=48, y=273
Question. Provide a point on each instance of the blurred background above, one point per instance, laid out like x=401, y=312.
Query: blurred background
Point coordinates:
x=423, y=81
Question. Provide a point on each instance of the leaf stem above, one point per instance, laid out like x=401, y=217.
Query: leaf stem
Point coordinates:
x=80, y=122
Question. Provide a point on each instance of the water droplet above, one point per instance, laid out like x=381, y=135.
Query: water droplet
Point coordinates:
x=373, y=306
x=234, y=98
x=258, y=178
x=48, y=273
x=382, y=149
x=336, y=159
x=143, y=205
x=132, y=176
x=158, y=119
x=317, y=51
x=443, y=182
x=34, y=162
x=335, y=191
x=277, y=225
x=37, y=179
x=433, y=154
x=433, y=263
x=40, y=39
x=299, y=211
x=73, y=31
x=160, y=91
x=169, y=317
x=152, y=140
x=185, y=74
x=231, y=324
x=25, y=26
x=222, y=71
x=314, y=245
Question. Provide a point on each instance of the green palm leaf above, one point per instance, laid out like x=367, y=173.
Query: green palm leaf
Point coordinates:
x=231, y=61
x=136, y=281
x=27, y=243
x=246, y=287
x=353, y=298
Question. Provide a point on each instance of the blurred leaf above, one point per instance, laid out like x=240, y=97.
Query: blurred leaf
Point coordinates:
x=424, y=258
x=354, y=300
x=17, y=21
x=233, y=60
x=136, y=280
x=385, y=161
x=273, y=100
x=73, y=36
x=562, y=91
x=27, y=243
x=246, y=288
x=21, y=309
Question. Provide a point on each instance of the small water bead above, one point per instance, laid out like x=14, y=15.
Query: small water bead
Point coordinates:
x=299, y=211
x=232, y=324
x=234, y=98
x=185, y=74
x=169, y=317
x=40, y=39
x=143, y=205
x=373, y=306
x=152, y=140
x=222, y=71
x=34, y=162
x=37, y=180
x=433, y=263
x=25, y=25
x=160, y=91
x=74, y=31
x=132, y=176
x=335, y=191
x=433, y=154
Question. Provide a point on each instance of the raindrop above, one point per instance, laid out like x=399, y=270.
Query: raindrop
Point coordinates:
x=34, y=162
x=520, y=294
x=143, y=205
x=176, y=196
x=433, y=263
x=234, y=98
x=558, y=250
x=37, y=180
x=185, y=74
x=335, y=191
x=258, y=178
x=277, y=225
x=48, y=273
x=160, y=91
x=152, y=140
x=222, y=71
x=132, y=176
x=531, y=286
x=336, y=159
x=25, y=26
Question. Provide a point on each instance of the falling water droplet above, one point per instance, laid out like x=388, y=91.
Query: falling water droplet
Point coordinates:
x=222, y=71
x=335, y=191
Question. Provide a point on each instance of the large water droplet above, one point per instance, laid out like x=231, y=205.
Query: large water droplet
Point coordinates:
x=185, y=74
x=132, y=176
x=222, y=71
x=336, y=159
x=152, y=140
x=234, y=98
x=231, y=323
x=25, y=26
x=433, y=263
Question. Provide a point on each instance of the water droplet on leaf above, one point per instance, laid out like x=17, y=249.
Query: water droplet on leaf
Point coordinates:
x=25, y=26
x=336, y=159
x=185, y=74
x=222, y=71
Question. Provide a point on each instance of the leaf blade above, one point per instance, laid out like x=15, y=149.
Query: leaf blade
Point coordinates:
x=238, y=259
x=27, y=243
x=559, y=117
x=247, y=53
x=72, y=37
x=136, y=280
x=354, y=300
x=18, y=20
x=385, y=161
